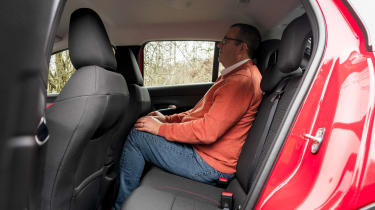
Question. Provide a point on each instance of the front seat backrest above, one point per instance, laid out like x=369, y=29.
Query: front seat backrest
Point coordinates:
x=85, y=120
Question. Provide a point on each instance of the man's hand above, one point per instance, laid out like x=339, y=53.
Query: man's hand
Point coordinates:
x=148, y=124
x=158, y=116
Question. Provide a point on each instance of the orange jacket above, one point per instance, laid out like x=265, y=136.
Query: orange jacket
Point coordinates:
x=218, y=124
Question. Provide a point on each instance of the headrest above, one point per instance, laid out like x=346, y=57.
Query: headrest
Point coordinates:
x=290, y=54
x=266, y=54
x=293, y=44
x=128, y=66
x=88, y=41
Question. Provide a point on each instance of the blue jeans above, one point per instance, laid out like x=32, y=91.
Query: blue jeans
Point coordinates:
x=178, y=158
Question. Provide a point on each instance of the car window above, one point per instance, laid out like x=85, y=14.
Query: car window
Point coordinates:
x=178, y=62
x=60, y=71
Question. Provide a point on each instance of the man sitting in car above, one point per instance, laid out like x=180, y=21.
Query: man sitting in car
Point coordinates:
x=205, y=142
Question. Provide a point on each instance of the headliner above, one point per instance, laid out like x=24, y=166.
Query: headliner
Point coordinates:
x=134, y=22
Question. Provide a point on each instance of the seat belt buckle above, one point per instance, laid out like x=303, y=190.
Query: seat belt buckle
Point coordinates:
x=222, y=182
x=226, y=200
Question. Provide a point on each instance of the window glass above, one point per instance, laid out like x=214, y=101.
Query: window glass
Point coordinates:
x=60, y=71
x=178, y=62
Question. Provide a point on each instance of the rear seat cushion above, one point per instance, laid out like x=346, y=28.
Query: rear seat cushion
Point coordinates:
x=146, y=197
x=164, y=190
x=161, y=180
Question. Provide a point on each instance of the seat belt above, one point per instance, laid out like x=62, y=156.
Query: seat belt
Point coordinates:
x=275, y=100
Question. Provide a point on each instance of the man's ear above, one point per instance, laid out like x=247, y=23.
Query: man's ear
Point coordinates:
x=244, y=47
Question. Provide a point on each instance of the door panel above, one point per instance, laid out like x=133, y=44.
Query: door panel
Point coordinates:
x=184, y=97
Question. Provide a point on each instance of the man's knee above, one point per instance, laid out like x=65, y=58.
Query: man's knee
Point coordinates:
x=133, y=135
x=133, y=132
x=135, y=138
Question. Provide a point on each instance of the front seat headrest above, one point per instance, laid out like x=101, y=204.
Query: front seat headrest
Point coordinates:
x=89, y=44
x=291, y=51
x=128, y=66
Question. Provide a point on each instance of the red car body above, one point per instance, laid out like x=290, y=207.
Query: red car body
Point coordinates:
x=341, y=100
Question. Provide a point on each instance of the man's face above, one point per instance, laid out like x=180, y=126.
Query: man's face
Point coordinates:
x=229, y=48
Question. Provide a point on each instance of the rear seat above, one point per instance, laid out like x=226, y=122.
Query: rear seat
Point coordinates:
x=266, y=54
x=161, y=190
x=140, y=101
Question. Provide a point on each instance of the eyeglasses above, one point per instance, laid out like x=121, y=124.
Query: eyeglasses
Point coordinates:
x=225, y=39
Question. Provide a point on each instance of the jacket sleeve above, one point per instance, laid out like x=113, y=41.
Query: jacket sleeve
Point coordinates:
x=230, y=103
x=176, y=118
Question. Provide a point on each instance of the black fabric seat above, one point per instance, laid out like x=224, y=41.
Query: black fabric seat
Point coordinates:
x=140, y=101
x=161, y=200
x=266, y=54
x=161, y=188
x=139, y=104
x=86, y=120
x=164, y=181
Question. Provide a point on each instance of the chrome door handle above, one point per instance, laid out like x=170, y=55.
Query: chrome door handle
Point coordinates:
x=317, y=140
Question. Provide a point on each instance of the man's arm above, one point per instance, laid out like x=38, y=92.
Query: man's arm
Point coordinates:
x=153, y=120
x=177, y=118
x=231, y=101
x=158, y=115
x=148, y=124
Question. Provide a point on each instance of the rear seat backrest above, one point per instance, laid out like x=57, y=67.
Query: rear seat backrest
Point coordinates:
x=140, y=101
x=290, y=55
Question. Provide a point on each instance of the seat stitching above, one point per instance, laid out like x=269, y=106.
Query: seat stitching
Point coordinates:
x=81, y=96
x=175, y=197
